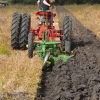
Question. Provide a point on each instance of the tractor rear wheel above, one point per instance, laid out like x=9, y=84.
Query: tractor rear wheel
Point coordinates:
x=15, y=30
x=67, y=30
x=25, y=28
x=30, y=45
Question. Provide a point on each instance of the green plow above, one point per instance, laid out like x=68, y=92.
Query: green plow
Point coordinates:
x=51, y=52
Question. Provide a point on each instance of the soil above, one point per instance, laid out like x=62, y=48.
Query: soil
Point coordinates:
x=79, y=78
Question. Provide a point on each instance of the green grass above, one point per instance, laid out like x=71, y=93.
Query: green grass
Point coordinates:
x=4, y=50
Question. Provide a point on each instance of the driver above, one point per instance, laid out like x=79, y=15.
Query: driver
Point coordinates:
x=44, y=4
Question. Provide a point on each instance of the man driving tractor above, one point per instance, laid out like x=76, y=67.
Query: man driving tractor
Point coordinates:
x=44, y=4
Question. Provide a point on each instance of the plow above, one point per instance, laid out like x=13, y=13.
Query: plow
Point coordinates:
x=50, y=44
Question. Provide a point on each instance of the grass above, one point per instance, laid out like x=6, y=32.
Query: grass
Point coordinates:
x=18, y=73
x=88, y=15
x=4, y=50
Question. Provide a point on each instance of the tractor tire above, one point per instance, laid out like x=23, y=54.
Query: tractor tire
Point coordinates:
x=25, y=28
x=67, y=47
x=15, y=30
x=67, y=30
x=30, y=45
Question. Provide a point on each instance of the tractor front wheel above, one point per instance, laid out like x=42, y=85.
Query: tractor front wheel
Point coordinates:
x=30, y=45
x=15, y=30
x=25, y=28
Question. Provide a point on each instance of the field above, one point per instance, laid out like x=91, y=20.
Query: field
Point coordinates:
x=88, y=15
x=19, y=74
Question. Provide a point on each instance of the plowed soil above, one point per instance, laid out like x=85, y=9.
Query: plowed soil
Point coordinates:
x=79, y=78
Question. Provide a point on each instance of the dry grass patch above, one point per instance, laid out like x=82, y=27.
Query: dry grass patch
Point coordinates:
x=88, y=15
x=18, y=73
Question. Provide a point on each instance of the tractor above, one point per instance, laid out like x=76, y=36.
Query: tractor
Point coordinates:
x=50, y=44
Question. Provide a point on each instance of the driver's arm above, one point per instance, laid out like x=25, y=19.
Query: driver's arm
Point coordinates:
x=46, y=3
x=38, y=3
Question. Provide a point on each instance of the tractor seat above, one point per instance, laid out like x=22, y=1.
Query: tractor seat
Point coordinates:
x=46, y=14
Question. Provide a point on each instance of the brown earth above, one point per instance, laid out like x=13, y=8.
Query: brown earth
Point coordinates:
x=79, y=78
